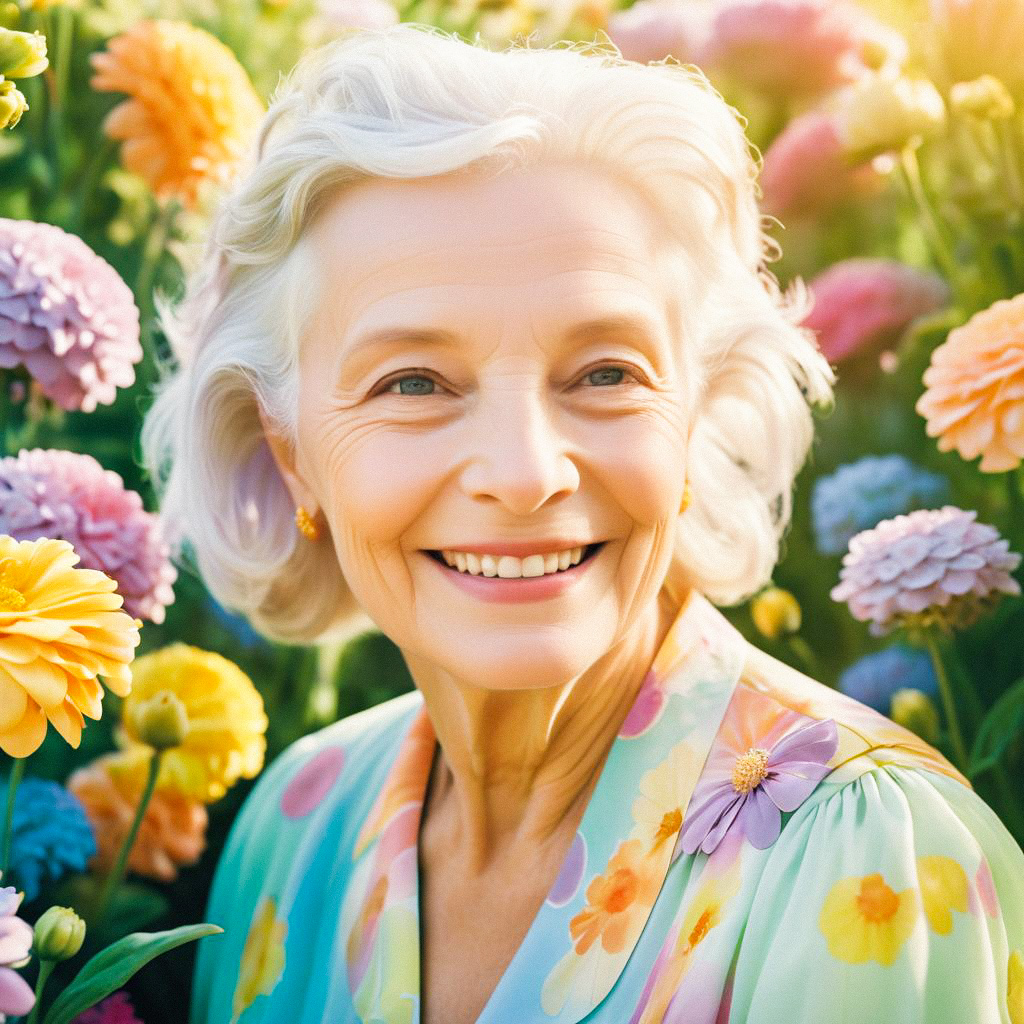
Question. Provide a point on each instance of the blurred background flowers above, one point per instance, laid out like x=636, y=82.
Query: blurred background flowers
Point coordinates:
x=892, y=146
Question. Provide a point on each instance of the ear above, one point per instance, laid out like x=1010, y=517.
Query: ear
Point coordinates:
x=284, y=457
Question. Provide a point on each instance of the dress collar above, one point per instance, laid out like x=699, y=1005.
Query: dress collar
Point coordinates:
x=587, y=928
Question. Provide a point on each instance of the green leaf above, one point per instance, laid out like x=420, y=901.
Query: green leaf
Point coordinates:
x=1000, y=727
x=108, y=971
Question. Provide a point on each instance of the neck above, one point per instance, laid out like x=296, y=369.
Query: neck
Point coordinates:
x=518, y=766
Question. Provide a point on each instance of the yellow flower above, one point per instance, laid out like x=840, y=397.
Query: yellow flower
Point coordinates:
x=192, y=110
x=974, y=398
x=969, y=38
x=864, y=919
x=226, y=721
x=943, y=889
x=1015, y=987
x=262, y=958
x=663, y=793
x=60, y=629
x=775, y=612
x=22, y=54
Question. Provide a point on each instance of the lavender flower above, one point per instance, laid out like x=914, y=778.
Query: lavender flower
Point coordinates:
x=66, y=315
x=933, y=566
x=861, y=494
x=874, y=679
x=70, y=496
x=16, y=997
x=50, y=834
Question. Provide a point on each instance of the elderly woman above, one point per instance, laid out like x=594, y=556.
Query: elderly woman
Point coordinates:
x=483, y=346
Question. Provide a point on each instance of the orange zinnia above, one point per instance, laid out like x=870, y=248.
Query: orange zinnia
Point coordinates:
x=192, y=109
x=974, y=400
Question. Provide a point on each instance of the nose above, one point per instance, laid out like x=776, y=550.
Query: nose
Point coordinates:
x=517, y=454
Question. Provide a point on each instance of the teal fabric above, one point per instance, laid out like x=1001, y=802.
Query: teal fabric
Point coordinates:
x=891, y=892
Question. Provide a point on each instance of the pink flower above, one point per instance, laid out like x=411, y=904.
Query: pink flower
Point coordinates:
x=116, y=1009
x=930, y=566
x=70, y=496
x=16, y=997
x=66, y=315
x=865, y=304
x=805, y=170
x=654, y=29
x=341, y=15
x=788, y=48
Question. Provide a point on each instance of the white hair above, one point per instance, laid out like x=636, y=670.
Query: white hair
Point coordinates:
x=411, y=101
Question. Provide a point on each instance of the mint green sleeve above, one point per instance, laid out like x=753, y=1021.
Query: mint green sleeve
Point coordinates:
x=897, y=896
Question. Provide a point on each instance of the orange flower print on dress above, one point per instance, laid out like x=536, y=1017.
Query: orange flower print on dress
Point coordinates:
x=943, y=885
x=262, y=959
x=864, y=918
x=1015, y=987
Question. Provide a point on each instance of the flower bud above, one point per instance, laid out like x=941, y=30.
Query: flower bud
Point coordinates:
x=12, y=105
x=775, y=612
x=883, y=113
x=161, y=721
x=916, y=711
x=59, y=934
x=22, y=54
x=985, y=97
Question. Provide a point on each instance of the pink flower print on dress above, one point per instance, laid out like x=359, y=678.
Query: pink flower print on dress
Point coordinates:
x=768, y=759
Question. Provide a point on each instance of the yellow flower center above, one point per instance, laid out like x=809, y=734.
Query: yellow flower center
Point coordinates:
x=701, y=928
x=671, y=822
x=750, y=769
x=621, y=892
x=876, y=901
x=11, y=599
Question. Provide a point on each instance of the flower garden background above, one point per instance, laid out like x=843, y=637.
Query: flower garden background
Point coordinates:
x=135, y=712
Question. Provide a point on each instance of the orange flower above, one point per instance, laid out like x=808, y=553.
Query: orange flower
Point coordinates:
x=974, y=400
x=617, y=901
x=192, y=109
x=173, y=829
x=863, y=919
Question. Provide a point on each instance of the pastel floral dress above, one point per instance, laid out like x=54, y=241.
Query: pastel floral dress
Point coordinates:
x=754, y=852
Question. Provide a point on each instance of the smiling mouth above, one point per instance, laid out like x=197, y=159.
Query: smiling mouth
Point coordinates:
x=508, y=567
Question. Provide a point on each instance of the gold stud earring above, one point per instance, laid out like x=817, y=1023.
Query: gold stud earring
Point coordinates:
x=687, y=498
x=306, y=526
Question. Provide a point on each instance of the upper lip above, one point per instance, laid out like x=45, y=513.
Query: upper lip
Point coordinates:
x=519, y=548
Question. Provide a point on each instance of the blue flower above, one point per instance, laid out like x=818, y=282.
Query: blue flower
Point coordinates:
x=861, y=494
x=876, y=677
x=50, y=834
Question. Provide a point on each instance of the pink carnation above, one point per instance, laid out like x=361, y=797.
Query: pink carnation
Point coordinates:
x=70, y=496
x=66, y=315
x=865, y=304
x=654, y=29
x=930, y=566
x=805, y=169
x=115, y=1009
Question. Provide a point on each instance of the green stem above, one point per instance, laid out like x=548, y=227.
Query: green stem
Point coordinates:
x=1008, y=159
x=45, y=967
x=802, y=650
x=117, y=873
x=930, y=224
x=17, y=771
x=949, y=705
x=90, y=176
x=152, y=251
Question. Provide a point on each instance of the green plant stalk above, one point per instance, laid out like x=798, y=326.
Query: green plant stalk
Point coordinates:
x=45, y=967
x=57, y=82
x=799, y=646
x=956, y=736
x=911, y=172
x=17, y=771
x=156, y=242
x=1011, y=168
x=117, y=872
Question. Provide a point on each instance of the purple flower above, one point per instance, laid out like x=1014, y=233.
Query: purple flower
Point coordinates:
x=70, y=496
x=750, y=791
x=16, y=997
x=932, y=566
x=66, y=315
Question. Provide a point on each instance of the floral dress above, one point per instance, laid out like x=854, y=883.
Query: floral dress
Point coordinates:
x=755, y=852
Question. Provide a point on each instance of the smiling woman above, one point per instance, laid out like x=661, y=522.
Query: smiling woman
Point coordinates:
x=483, y=346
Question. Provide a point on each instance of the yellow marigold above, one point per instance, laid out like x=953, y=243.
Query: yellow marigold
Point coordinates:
x=864, y=919
x=192, y=109
x=60, y=629
x=974, y=397
x=173, y=829
x=226, y=722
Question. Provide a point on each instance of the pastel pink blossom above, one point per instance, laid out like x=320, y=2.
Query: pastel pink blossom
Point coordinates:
x=865, y=304
x=932, y=565
x=790, y=48
x=115, y=1009
x=806, y=171
x=70, y=496
x=16, y=996
x=654, y=29
x=65, y=315
x=342, y=15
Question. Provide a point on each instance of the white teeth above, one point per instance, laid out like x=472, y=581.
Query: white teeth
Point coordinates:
x=509, y=567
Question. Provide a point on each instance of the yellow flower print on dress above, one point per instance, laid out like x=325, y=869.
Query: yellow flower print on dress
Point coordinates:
x=664, y=792
x=863, y=918
x=943, y=889
x=262, y=959
x=1015, y=987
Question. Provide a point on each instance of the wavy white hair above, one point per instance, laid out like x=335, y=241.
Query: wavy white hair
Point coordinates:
x=412, y=101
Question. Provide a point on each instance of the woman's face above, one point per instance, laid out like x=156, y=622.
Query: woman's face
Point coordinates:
x=493, y=376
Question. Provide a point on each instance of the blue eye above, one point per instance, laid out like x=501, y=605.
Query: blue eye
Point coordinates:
x=605, y=375
x=412, y=385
